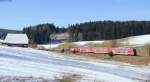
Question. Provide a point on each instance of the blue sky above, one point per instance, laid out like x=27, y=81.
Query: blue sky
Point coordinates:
x=21, y=13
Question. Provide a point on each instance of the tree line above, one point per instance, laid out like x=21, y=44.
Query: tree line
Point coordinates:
x=96, y=30
x=107, y=30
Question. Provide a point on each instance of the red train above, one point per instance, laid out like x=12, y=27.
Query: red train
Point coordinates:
x=106, y=50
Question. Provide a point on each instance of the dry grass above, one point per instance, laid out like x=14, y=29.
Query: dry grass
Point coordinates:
x=66, y=45
x=143, y=51
x=132, y=60
x=68, y=78
x=93, y=45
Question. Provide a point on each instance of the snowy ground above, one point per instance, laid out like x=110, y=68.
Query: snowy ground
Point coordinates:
x=29, y=62
x=139, y=40
x=48, y=46
x=86, y=42
x=23, y=79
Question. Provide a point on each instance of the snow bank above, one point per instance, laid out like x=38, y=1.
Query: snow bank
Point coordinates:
x=48, y=46
x=86, y=42
x=1, y=41
x=138, y=40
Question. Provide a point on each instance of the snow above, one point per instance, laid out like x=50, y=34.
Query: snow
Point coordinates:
x=86, y=42
x=138, y=40
x=48, y=46
x=30, y=62
x=23, y=79
x=16, y=39
x=1, y=41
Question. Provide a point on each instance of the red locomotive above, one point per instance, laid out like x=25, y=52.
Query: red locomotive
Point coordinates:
x=106, y=50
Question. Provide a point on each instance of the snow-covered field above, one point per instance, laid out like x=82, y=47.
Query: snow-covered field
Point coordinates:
x=36, y=63
x=139, y=40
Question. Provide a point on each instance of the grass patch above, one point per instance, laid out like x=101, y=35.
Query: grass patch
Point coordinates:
x=143, y=50
x=68, y=78
x=66, y=45
x=132, y=60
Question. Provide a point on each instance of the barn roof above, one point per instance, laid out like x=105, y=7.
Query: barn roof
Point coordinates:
x=16, y=38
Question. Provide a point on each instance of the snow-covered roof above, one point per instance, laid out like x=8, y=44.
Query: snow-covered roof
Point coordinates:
x=16, y=38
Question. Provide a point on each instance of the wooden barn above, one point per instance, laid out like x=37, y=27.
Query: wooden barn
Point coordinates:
x=20, y=40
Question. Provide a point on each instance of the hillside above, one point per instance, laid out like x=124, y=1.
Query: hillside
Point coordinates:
x=140, y=40
x=27, y=62
x=133, y=40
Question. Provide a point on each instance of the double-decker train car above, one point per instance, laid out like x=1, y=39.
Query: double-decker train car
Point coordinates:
x=105, y=50
x=87, y=50
x=83, y=50
x=123, y=51
x=75, y=49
